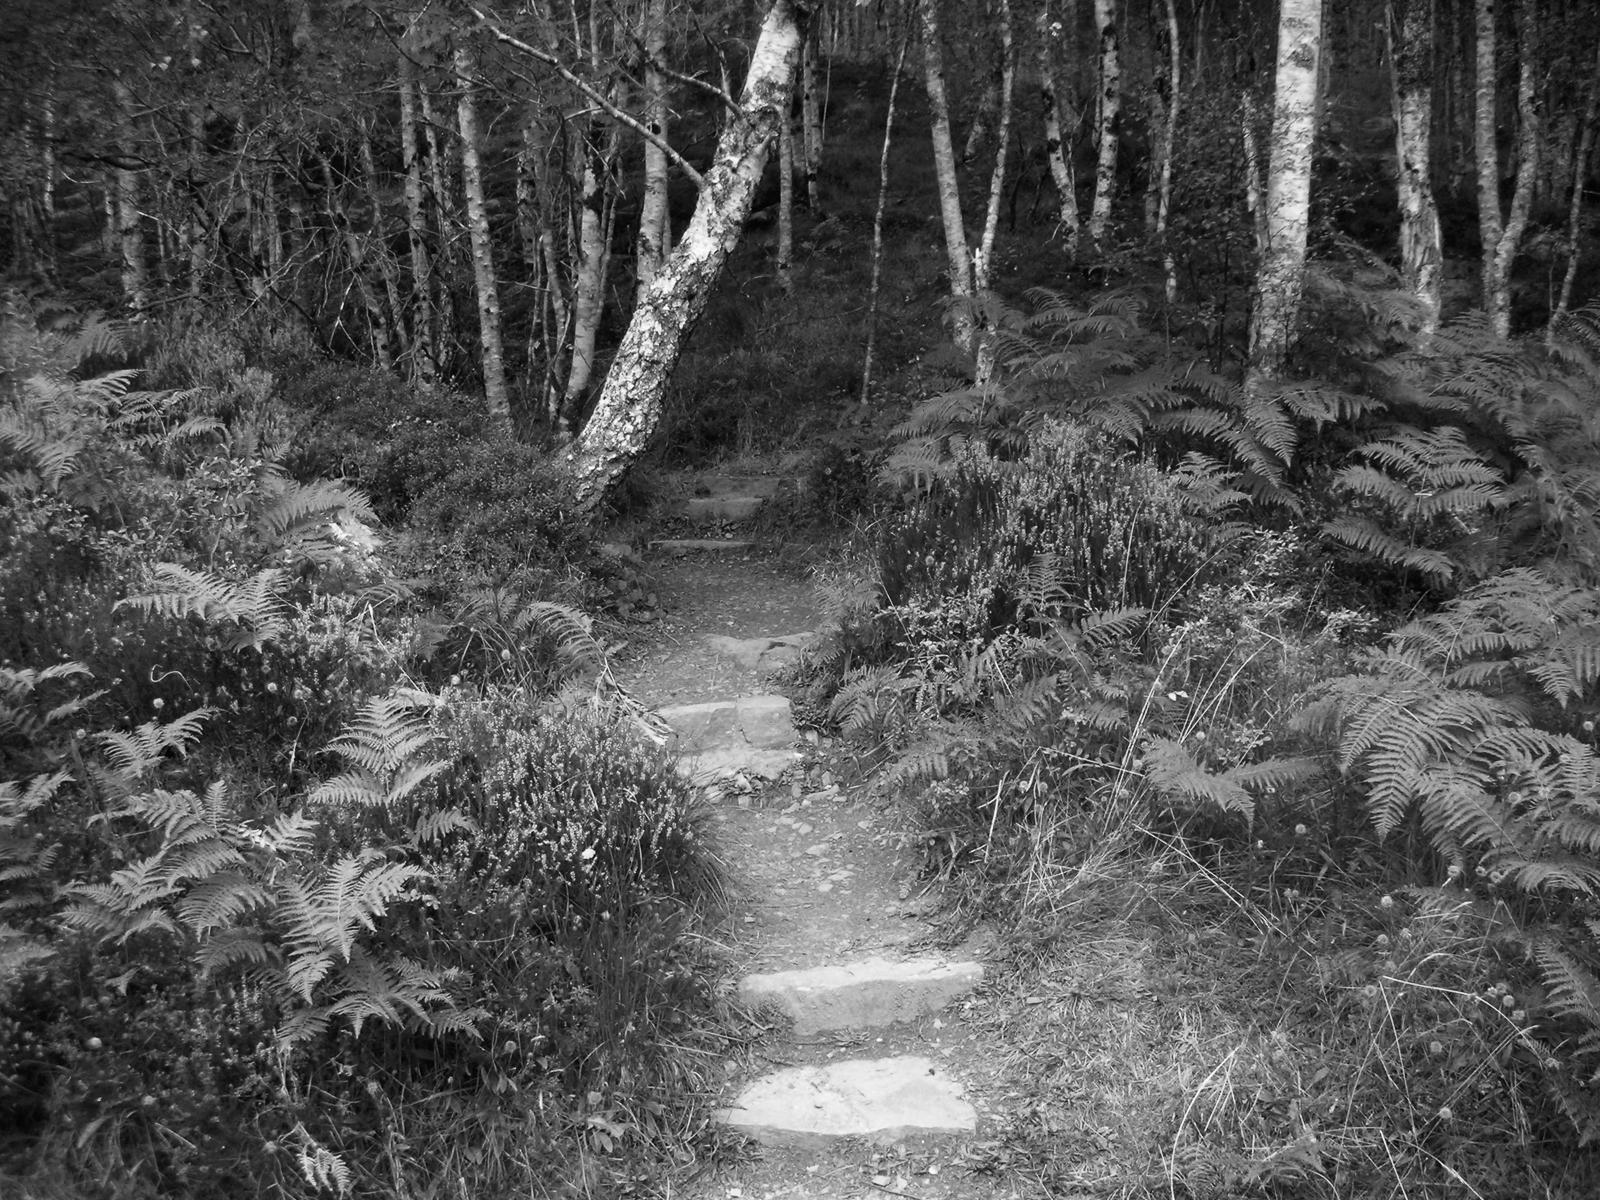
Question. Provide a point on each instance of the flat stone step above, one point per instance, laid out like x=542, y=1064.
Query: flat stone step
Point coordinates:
x=704, y=510
x=880, y=1099
x=762, y=654
x=862, y=995
x=679, y=547
x=753, y=735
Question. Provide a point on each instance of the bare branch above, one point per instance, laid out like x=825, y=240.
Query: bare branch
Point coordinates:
x=566, y=73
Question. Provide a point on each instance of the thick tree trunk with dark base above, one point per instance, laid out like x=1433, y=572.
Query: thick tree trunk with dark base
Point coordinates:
x=629, y=407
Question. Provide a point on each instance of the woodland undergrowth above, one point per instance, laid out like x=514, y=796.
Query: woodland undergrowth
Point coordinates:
x=1317, y=663
x=318, y=875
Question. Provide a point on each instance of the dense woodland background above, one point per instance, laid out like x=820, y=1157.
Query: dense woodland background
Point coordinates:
x=1195, y=438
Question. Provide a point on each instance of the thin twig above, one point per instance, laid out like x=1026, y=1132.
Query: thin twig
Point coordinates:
x=618, y=113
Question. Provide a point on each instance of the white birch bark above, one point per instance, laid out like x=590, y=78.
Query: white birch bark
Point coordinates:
x=877, y=223
x=984, y=259
x=811, y=126
x=129, y=222
x=1502, y=231
x=597, y=146
x=652, y=247
x=958, y=256
x=1280, y=276
x=1169, y=136
x=629, y=406
x=1110, y=123
x=1254, y=190
x=1058, y=153
x=496, y=396
x=1421, y=251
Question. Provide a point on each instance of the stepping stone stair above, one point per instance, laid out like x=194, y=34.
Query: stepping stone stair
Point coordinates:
x=728, y=499
x=883, y=1100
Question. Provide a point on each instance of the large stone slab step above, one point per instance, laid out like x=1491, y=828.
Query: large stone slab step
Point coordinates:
x=763, y=654
x=682, y=547
x=880, y=1099
x=862, y=995
x=753, y=735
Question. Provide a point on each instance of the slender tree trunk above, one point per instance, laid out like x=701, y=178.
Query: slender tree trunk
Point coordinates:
x=598, y=149
x=129, y=222
x=496, y=396
x=424, y=350
x=984, y=114
x=629, y=407
x=1580, y=178
x=984, y=259
x=785, y=202
x=1502, y=232
x=355, y=253
x=652, y=249
x=1280, y=277
x=388, y=271
x=1110, y=124
x=958, y=256
x=877, y=221
x=1421, y=253
x=811, y=128
x=1057, y=151
x=1169, y=134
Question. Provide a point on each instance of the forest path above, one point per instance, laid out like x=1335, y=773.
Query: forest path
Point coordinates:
x=867, y=1079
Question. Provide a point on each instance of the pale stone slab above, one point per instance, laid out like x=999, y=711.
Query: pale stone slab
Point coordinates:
x=712, y=765
x=882, y=1099
x=762, y=654
x=753, y=735
x=862, y=995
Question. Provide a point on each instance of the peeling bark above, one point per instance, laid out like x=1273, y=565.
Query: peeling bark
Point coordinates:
x=958, y=256
x=1057, y=150
x=496, y=396
x=1421, y=252
x=629, y=406
x=1110, y=123
x=1280, y=277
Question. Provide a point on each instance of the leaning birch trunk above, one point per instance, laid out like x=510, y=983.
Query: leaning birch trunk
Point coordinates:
x=1421, y=252
x=958, y=256
x=1503, y=234
x=1057, y=152
x=629, y=407
x=1280, y=276
x=1110, y=124
x=652, y=246
x=496, y=397
x=1580, y=177
x=984, y=259
x=129, y=224
x=423, y=350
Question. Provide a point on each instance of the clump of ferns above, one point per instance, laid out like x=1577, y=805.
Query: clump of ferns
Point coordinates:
x=1491, y=458
x=1471, y=736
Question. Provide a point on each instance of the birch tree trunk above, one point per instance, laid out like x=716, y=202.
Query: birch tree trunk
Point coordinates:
x=1254, y=201
x=129, y=223
x=1169, y=135
x=1502, y=232
x=785, y=202
x=495, y=394
x=1580, y=177
x=424, y=351
x=1280, y=276
x=629, y=407
x=958, y=256
x=1110, y=123
x=1058, y=153
x=984, y=259
x=811, y=129
x=652, y=246
x=1421, y=252
x=877, y=221
x=598, y=145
